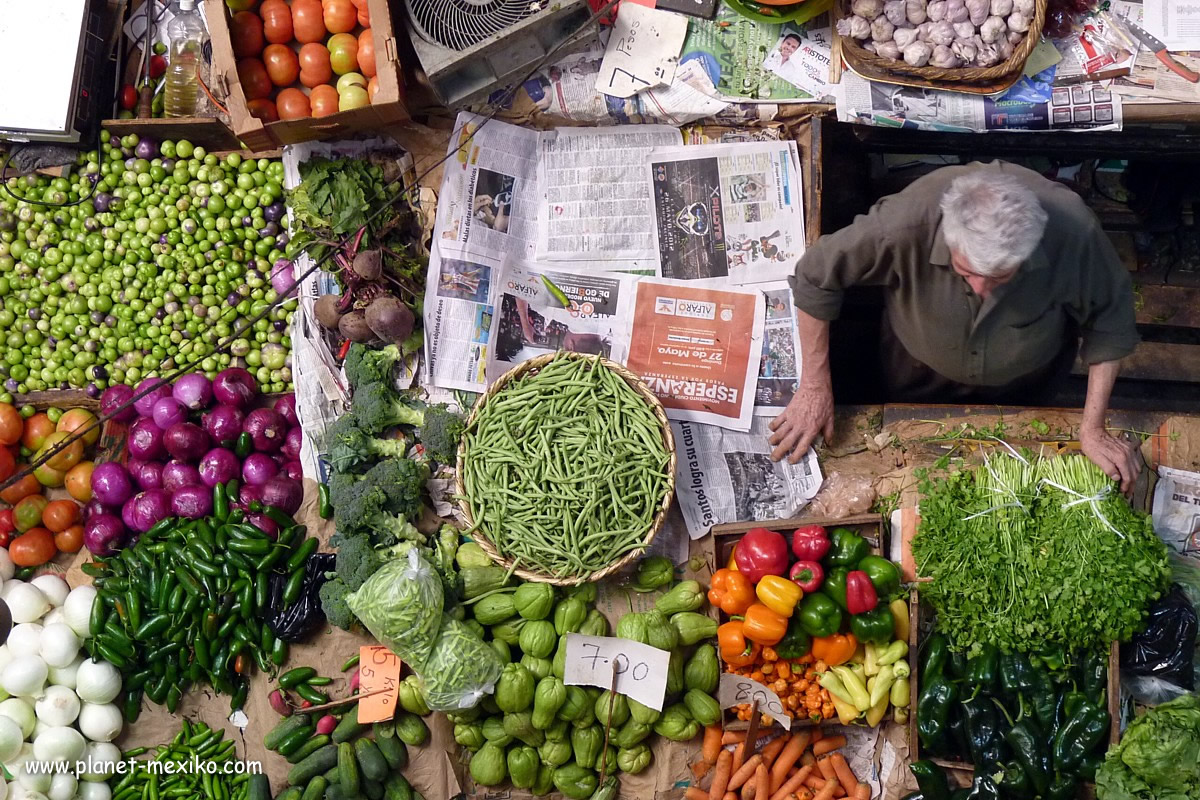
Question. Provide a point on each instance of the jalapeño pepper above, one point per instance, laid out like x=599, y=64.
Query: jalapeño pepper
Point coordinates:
x=243, y=446
x=324, y=504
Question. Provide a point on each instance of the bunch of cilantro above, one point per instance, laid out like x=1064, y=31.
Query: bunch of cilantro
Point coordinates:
x=1020, y=564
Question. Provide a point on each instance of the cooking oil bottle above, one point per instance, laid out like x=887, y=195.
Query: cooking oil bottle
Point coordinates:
x=186, y=32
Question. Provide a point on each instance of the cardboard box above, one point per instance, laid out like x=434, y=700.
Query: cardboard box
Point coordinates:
x=388, y=108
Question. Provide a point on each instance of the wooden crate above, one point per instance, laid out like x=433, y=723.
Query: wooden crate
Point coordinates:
x=389, y=106
x=207, y=132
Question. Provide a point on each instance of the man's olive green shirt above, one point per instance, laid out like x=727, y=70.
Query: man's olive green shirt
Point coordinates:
x=1073, y=280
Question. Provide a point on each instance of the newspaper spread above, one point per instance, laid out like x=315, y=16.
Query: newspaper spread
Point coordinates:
x=595, y=198
x=1176, y=510
x=727, y=211
x=1081, y=107
x=779, y=370
x=723, y=476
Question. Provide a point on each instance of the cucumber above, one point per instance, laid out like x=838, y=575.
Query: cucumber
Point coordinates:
x=347, y=768
x=313, y=766
x=311, y=746
x=294, y=741
x=374, y=766
x=290, y=793
x=348, y=728
x=315, y=789
x=331, y=775
x=398, y=788
x=285, y=726
x=372, y=789
x=259, y=788
x=394, y=751
x=334, y=792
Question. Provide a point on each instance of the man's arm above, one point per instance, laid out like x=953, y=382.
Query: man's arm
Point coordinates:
x=1116, y=457
x=810, y=411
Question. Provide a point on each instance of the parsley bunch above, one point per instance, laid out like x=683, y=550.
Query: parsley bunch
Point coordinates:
x=1028, y=551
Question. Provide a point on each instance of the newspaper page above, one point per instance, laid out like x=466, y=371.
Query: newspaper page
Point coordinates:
x=697, y=349
x=458, y=321
x=1074, y=108
x=488, y=202
x=1176, y=510
x=1175, y=22
x=531, y=319
x=1151, y=82
x=595, y=199
x=722, y=476
x=779, y=369
x=731, y=49
x=727, y=211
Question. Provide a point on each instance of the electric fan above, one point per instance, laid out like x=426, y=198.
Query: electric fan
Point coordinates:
x=470, y=48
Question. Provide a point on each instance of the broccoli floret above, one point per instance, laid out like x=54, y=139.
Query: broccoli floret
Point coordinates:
x=402, y=480
x=357, y=559
x=414, y=342
x=387, y=530
x=380, y=407
x=333, y=603
x=440, y=432
x=367, y=365
x=347, y=446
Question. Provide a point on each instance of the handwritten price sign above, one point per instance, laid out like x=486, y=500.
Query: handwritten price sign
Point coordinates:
x=643, y=51
x=734, y=690
x=378, y=669
x=641, y=669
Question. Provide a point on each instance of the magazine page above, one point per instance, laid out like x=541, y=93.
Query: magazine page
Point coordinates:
x=488, y=201
x=724, y=476
x=727, y=211
x=802, y=58
x=595, y=198
x=698, y=349
x=458, y=321
x=781, y=362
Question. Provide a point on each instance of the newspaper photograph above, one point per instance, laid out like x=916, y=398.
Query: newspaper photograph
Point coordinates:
x=488, y=202
x=802, y=58
x=540, y=311
x=697, y=349
x=595, y=199
x=722, y=476
x=1176, y=510
x=1084, y=107
x=727, y=211
x=458, y=321
x=779, y=369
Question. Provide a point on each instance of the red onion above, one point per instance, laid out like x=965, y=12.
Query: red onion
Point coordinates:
x=235, y=387
x=177, y=474
x=218, y=466
x=258, y=468
x=127, y=513
x=249, y=494
x=149, y=507
x=146, y=474
x=264, y=524
x=192, y=502
x=293, y=470
x=283, y=493
x=186, y=441
x=113, y=398
x=292, y=443
x=167, y=411
x=286, y=406
x=111, y=484
x=103, y=534
x=193, y=391
x=267, y=428
x=94, y=508
x=223, y=424
x=145, y=403
x=145, y=440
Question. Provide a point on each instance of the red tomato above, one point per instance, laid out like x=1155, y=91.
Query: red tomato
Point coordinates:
x=372, y=88
x=23, y=488
x=32, y=548
x=314, y=65
x=364, y=13
x=277, y=21
x=11, y=424
x=256, y=84
x=68, y=451
x=293, y=104
x=340, y=16
x=282, y=65
x=37, y=428
x=343, y=53
x=70, y=540
x=60, y=515
x=366, y=53
x=8, y=464
x=79, y=481
x=246, y=34
x=308, y=24
x=7, y=524
x=28, y=513
x=263, y=109
x=129, y=97
x=78, y=419
x=323, y=100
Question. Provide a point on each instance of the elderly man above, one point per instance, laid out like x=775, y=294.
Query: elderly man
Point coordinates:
x=992, y=274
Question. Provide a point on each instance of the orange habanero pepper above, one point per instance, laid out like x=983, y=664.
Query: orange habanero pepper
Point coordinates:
x=764, y=626
x=731, y=592
x=735, y=650
x=834, y=650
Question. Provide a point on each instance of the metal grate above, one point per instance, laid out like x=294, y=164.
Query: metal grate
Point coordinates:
x=459, y=24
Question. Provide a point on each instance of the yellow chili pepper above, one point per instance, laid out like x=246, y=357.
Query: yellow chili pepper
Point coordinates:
x=854, y=687
x=899, y=609
x=778, y=594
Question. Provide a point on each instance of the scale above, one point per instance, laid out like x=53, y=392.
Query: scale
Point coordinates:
x=53, y=70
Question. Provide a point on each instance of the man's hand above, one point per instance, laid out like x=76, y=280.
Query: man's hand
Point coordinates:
x=808, y=414
x=1118, y=458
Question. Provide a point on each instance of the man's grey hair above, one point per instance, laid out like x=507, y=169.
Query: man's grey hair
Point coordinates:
x=992, y=220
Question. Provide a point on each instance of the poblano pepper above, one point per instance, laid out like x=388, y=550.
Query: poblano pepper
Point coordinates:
x=1025, y=741
x=983, y=787
x=1063, y=787
x=1043, y=697
x=983, y=670
x=1088, y=766
x=985, y=737
x=653, y=572
x=933, y=713
x=846, y=548
x=1095, y=678
x=1079, y=737
x=934, y=656
x=1016, y=674
x=523, y=763
x=684, y=596
x=931, y=780
x=569, y=616
x=1014, y=782
x=534, y=600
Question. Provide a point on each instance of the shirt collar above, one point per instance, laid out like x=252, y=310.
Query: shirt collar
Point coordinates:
x=939, y=254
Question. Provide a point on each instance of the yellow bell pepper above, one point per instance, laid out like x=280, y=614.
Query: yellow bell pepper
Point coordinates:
x=899, y=609
x=778, y=594
x=733, y=559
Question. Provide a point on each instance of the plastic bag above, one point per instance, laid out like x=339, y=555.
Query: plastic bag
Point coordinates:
x=462, y=669
x=401, y=605
x=1166, y=648
x=843, y=496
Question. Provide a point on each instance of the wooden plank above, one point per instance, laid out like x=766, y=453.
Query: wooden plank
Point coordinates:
x=1157, y=361
x=1166, y=304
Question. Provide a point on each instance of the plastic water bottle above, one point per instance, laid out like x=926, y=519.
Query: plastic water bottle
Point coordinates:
x=186, y=32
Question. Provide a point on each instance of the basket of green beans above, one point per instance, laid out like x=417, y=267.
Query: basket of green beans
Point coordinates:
x=566, y=469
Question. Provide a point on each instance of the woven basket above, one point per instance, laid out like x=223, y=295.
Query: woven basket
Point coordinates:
x=864, y=61
x=531, y=367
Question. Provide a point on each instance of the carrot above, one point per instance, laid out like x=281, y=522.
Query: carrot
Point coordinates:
x=763, y=780
x=745, y=771
x=815, y=782
x=730, y=796
x=772, y=749
x=828, y=745
x=844, y=774
x=721, y=775
x=739, y=757
x=733, y=737
x=700, y=768
x=695, y=793
x=826, y=791
x=787, y=757
x=826, y=767
x=711, y=747
x=808, y=760
x=792, y=784
x=817, y=735
x=862, y=792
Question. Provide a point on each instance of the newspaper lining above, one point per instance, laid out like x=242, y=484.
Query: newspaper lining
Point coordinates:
x=780, y=368
x=1176, y=510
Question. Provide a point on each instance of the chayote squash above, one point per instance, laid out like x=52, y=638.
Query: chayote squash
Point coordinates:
x=538, y=667
x=494, y=609
x=596, y=624
x=676, y=724
x=576, y=702
x=555, y=754
x=632, y=626
x=534, y=600
x=612, y=704
x=631, y=733
x=569, y=615
x=685, y=596
x=488, y=765
x=509, y=631
x=660, y=632
x=558, y=665
x=469, y=735
x=514, y=690
x=634, y=759
x=548, y=697
x=702, y=672
x=523, y=763
x=693, y=627
x=575, y=782
x=520, y=726
x=544, y=784
x=410, y=697
x=703, y=708
x=538, y=638
x=643, y=713
x=493, y=731
x=587, y=744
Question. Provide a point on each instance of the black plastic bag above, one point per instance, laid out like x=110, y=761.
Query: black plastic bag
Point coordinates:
x=305, y=615
x=1167, y=647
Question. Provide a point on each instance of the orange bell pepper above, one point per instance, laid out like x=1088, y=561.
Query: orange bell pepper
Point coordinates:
x=732, y=565
x=778, y=594
x=834, y=650
x=731, y=592
x=764, y=626
x=735, y=650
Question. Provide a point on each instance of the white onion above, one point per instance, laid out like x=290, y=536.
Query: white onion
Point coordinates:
x=25, y=639
x=65, y=676
x=97, y=754
x=20, y=712
x=101, y=723
x=27, y=603
x=78, y=610
x=93, y=791
x=5, y=656
x=19, y=792
x=54, y=587
x=52, y=616
x=11, y=738
x=25, y=676
x=59, y=706
x=23, y=755
x=56, y=745
x=60, y=645
x=38, y=728
x=39, y=783
x=7, y=567
x=62, y=786
x=97, y=682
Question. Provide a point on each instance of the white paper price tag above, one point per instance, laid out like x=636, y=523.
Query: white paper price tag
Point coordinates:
x=641, y=669
x=734, y=690
x=643, y=51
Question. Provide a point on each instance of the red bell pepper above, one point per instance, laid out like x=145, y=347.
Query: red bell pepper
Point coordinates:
x=761, y=552
x=808, y=575
x=810, y=543
x=860, y=593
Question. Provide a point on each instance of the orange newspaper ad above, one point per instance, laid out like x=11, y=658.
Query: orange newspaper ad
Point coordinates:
x=698, y=349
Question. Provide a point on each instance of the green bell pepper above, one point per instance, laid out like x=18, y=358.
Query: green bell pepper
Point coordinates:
x=835, y=586
x=983, y=670
x=633, y=760
x=534, y=600
x=702, y=670
x=569, y=616
x=846, y=548
x=548, y=698
x=514, y=689
x=587, y=744
x=596, y=624
x=684, y=596
x=575, y=782
x=693, y=627
x=554, y=753
x=873, y=627
x=523, y=763
x=653, y=572
x=884, y=575
x=796, y=643
x=819, y=615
